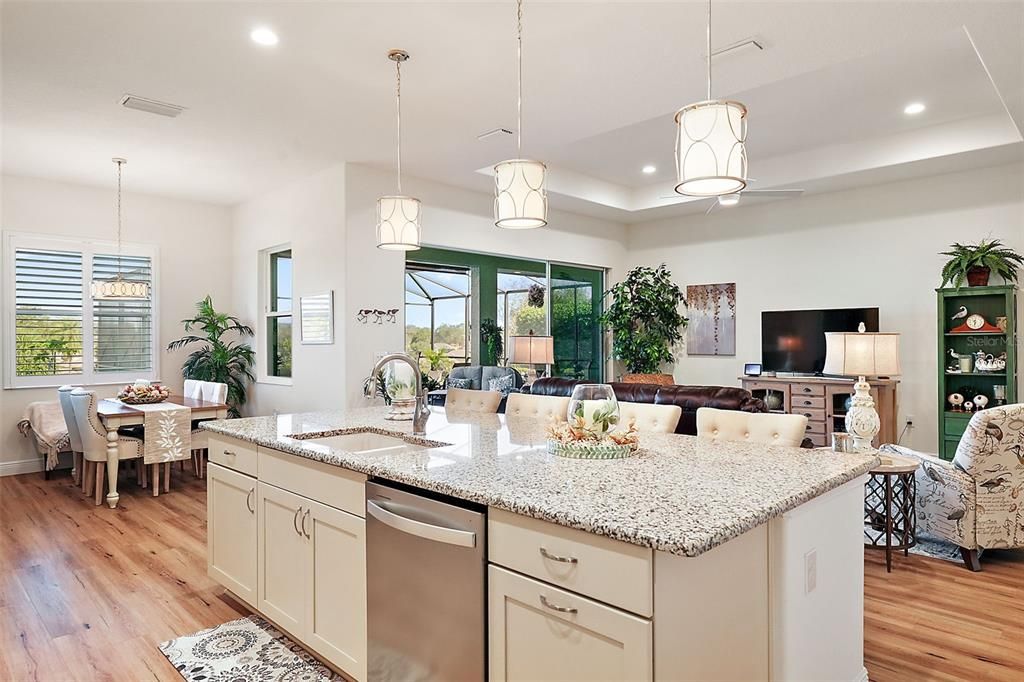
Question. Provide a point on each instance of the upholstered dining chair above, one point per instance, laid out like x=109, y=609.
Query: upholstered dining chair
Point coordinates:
x=64, y=395
x=650, y=418
x=537, y=406
x=748, y=427
x=468, y=400
x=975, y=500
x=211, y=392
x=94, y=440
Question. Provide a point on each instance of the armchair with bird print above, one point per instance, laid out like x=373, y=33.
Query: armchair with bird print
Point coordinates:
x=976, y=500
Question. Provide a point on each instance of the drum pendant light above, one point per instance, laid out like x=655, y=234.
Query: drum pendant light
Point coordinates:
x=398, y=215
x=711, y=156
x=520, y=200
x=118, y=287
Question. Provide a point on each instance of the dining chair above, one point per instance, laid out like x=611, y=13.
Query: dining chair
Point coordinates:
x=193, y=389
x=64, y=395
x=468, y=400
x=649, y=417
x=211, y=392
x=735, y=426
x=536, y=406
x=94, y=440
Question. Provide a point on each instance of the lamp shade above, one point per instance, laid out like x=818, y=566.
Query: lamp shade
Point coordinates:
x=531, y=350
x=711, y=155
x=520, y=201
x=398, y=223
x=862, y=353
x=118, y=288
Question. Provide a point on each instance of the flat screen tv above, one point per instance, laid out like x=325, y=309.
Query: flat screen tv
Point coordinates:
x=794, y=340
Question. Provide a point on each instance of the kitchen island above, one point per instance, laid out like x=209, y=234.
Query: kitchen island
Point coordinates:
x=691, y=560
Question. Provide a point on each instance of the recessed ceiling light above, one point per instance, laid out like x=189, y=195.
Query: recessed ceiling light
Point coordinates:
x=648, y=169
x=263, y=36
x=913, y=108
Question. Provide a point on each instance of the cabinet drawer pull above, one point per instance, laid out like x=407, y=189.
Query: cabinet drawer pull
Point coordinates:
x=229, y=453
x=806, y=389
x=295, y=520
x=248, y=501
x=304, y=518
x=554, y=557
x=556, y=607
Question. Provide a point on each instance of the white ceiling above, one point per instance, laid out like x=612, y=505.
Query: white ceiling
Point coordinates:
x=602, y=82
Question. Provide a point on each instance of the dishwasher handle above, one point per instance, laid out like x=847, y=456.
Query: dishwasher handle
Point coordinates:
x=428, y=531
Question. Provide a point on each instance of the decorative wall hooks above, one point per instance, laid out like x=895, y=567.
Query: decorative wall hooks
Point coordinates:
x=375, y=316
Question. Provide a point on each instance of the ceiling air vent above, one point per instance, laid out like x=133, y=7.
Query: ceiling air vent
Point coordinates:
x=151, y=106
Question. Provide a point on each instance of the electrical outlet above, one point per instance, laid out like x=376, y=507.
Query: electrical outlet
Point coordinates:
x=810, y=571
x=909, y=420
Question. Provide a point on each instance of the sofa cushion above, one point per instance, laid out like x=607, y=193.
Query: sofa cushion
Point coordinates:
x=488, y=372
x=472, y=372
x=454, y=382
x=503, y=385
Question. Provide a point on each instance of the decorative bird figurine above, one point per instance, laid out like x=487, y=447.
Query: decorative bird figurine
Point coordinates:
x=960, y=314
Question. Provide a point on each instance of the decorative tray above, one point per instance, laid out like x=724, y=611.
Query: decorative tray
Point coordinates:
x=143, y=394
x=591, y=450
x=128, y=400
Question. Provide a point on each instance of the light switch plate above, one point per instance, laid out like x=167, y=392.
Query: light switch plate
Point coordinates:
x=810, y=571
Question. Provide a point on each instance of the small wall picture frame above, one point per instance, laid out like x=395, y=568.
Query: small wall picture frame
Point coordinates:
x=316, y=319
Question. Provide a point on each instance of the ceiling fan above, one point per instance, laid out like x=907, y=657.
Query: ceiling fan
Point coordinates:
x=734, y=198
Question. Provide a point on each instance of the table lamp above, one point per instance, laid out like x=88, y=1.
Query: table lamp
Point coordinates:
x=862, y=354
x=531, y=350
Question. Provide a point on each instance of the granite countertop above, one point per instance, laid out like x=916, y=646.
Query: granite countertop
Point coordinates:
x=679, y=494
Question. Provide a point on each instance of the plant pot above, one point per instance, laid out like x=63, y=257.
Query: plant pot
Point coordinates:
x=660, y=379
x=978, y=276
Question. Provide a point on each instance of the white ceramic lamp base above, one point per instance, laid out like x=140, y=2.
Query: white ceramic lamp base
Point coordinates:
x=862, y=418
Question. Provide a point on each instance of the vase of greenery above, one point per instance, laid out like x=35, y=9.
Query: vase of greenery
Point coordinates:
x=645, y=320
x=223, y=361
x=977, y=262
x=490, y=338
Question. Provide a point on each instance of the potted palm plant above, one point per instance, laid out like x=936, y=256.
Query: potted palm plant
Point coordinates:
x=220, y=360
x=645, y=321
x=977, y=262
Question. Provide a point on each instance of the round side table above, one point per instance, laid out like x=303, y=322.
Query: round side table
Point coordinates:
x=890, y=521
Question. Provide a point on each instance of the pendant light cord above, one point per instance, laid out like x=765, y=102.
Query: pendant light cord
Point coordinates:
x=709, y=50
x=398, y=117
x=119, y=165
x=519, y=78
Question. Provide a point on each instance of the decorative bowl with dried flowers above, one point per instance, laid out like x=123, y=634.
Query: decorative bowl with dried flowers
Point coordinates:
x=577, y=440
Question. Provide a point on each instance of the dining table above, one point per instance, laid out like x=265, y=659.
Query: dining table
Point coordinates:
x=115, y=415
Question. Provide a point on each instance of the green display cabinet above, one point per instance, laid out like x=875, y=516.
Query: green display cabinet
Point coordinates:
x=994, y=334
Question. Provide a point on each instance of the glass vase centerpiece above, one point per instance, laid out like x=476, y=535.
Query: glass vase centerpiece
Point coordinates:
x=400, y=387
x=592, y=429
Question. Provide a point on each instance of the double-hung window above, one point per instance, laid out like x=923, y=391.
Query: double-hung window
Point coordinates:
x=276, y=332
x=55, y=332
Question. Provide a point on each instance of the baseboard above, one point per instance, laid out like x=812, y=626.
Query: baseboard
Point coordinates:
x=21, y=466
x=863, y=675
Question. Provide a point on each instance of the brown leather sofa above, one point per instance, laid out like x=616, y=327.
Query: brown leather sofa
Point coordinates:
x=689, y=398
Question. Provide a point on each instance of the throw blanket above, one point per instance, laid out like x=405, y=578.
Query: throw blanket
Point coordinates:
x=168, y=432
x=45, y=420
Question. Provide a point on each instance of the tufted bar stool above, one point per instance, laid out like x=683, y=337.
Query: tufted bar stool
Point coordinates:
x=467, y=400
x=746, y=427
x=650, y=418
x=543, y=407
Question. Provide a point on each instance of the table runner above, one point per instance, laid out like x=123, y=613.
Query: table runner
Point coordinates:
x=168, y=432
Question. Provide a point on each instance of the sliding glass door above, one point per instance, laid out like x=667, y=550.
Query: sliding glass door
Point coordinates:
x=575, y=311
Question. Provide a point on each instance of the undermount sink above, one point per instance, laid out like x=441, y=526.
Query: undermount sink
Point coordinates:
x=365, y=441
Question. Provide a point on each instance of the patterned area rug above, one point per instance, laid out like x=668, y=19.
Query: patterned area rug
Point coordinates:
x=244, y=650
x=936, y=549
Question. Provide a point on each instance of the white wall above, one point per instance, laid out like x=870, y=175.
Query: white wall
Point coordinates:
x=873, y=246
x=192, y=237
x=310, y=215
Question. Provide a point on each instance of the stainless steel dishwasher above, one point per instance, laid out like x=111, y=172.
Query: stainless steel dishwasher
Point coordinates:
x=426, y=568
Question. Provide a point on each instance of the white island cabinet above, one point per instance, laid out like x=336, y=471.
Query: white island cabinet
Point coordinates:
x=694, y=561
x=291, y=543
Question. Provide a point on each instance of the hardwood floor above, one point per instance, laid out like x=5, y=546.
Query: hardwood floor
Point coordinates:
x=86, y=593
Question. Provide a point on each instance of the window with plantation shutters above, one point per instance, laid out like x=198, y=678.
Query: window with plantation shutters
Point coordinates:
x=55, y=332
x=122, y=330
x=47, y=312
